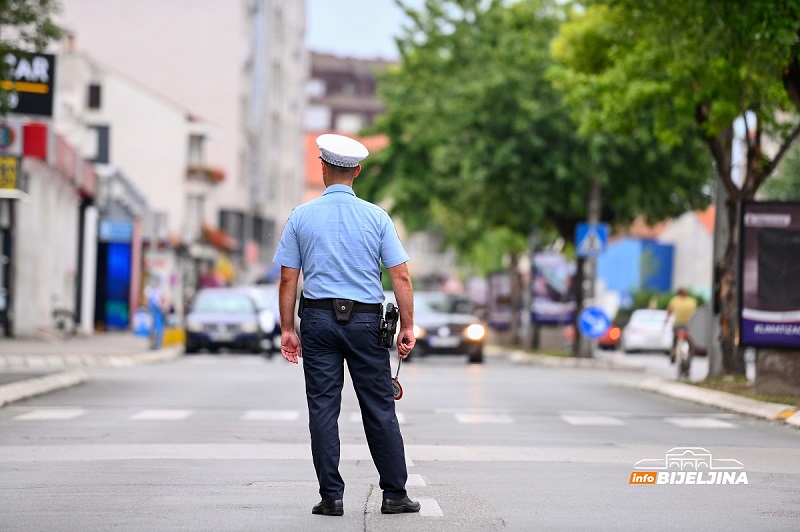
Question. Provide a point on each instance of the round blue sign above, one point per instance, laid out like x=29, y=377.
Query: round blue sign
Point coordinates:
x=593, y=322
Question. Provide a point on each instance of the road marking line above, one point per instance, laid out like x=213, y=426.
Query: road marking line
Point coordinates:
x=477, y=418
x=429, y=508
x=51, y=414
x=699, y=423
x=270, y=415
x=161, y=415
x=594, y=421
x=415, y=480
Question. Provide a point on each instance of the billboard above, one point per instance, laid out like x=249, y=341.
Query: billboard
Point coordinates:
x=769, y=259
x=30, y=83
x=553, y=285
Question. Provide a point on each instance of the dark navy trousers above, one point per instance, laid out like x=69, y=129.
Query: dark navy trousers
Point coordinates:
x=326, y=346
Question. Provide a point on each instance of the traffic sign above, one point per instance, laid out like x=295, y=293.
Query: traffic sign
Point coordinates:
x=590, y=239
x=593, y=322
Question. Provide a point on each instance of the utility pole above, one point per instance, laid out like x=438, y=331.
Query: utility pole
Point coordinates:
x=585, y=346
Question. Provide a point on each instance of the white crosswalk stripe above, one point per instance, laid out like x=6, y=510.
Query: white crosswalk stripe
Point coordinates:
x=699, y=423
x=270, y=415
x=594, y=421
x=429, y=508
x=464, y=417
x=161, y=415
x=482, y=418
x=51, y=414
x=415, y=480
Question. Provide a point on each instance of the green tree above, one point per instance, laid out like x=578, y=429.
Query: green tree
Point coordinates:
x=25, y=25
x=785, y=185
x=483, y=150
x=688, y=69
x=480, y=140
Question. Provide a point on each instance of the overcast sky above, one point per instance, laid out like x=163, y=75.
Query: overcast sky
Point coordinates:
x=357, y=28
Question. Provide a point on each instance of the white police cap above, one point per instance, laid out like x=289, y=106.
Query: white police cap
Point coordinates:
x=339, y=150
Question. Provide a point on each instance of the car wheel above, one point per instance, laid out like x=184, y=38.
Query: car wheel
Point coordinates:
x=189, y=349
x=476, y=356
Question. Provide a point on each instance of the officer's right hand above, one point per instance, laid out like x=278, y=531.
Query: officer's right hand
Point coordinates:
x=405, y=342
x=290, y=346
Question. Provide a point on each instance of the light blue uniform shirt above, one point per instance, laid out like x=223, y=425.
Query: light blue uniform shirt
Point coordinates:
x=338, y=241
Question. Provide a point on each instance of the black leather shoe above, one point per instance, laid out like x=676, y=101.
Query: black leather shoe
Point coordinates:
x=328, y=507
x=399, y=506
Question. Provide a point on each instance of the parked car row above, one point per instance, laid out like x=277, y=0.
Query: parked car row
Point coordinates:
x=248, y=319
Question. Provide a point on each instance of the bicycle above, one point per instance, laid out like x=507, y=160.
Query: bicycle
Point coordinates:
x=682, y=349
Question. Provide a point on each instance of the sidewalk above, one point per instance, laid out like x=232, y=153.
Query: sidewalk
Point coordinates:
x=679, y=390
x=30, y=366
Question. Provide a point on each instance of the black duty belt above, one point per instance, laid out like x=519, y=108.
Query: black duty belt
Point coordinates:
x=327, y=304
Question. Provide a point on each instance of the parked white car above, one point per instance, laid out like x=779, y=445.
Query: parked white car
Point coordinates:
x=647, y=331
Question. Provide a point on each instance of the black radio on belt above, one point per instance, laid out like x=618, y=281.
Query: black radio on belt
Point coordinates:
x=389, y=325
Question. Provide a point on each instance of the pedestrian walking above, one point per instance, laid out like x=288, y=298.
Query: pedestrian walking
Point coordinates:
x=156, y=302
x=338, y=242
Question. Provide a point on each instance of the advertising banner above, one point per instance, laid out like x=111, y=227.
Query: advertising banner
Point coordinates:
x=9, y=176
x=553, y=289
x=770, y=259
x=30, y=83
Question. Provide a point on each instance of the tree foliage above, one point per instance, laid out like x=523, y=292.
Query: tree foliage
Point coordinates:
x=482, y=146
x=688, y=69
x=25, y=25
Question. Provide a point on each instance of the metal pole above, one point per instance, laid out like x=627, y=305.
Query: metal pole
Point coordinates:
x=586, y=345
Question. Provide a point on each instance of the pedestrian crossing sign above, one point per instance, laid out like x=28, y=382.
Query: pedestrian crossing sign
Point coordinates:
x=590, y=239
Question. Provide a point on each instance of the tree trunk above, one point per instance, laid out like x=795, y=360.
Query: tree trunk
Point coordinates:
x=732, y=354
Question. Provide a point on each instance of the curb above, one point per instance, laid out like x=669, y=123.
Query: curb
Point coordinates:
x=521, y=357
x=15, y=391
x=723, y=400
x=44, y=362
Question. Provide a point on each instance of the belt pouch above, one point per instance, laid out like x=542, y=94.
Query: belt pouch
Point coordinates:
x=343, y=309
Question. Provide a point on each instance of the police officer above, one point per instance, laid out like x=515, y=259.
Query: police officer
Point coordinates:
x=338, y=241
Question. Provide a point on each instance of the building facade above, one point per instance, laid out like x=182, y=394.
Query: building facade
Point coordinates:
x=240, y=65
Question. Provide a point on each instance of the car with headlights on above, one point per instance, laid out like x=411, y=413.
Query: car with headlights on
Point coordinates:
x=444, y=324
x=223, y=318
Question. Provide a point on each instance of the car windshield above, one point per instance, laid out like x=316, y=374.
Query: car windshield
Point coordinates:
x=443, y=303
x=649, y=317
x=225, y=303
x=264, y=299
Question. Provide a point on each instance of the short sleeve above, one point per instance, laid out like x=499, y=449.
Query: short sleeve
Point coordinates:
x=392, y=252
x=288, y=252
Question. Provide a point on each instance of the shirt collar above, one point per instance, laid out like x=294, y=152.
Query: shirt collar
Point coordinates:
x=339, y=188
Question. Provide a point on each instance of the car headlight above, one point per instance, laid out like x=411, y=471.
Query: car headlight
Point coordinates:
x=476, y=331
x=419, y=332
x=194, y=326
x=250, y=327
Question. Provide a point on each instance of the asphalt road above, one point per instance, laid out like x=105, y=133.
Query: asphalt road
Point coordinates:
x=221, y=443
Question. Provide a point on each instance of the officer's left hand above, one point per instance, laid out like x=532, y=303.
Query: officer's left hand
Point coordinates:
x=290, y=346
x=405, y=342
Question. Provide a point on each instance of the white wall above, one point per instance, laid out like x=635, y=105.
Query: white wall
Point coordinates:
x=148, y=136
x=188, y=51
x=45, y=248
x=693, y=258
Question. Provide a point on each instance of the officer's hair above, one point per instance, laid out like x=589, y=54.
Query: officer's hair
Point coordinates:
x=340, y=172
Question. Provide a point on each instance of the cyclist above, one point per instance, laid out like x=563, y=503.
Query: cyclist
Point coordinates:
x=682, y=306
